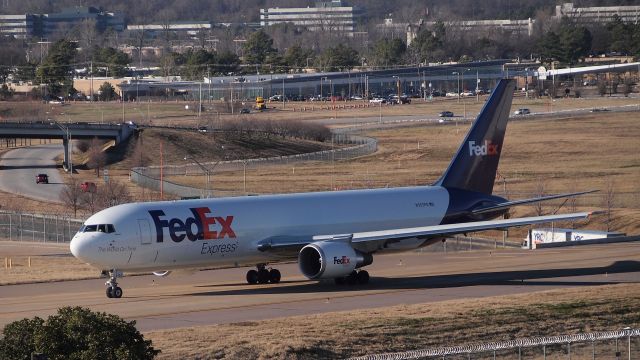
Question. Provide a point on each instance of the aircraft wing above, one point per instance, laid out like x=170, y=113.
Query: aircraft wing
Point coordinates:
x=276, y=243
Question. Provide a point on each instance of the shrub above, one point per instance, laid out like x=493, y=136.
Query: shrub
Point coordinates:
x=75, y=333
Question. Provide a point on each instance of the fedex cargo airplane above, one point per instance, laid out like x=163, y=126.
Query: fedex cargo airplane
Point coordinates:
x=332, y=235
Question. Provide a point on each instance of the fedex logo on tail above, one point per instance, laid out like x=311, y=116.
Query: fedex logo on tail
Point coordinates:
x=484, y=149
x=206, y=227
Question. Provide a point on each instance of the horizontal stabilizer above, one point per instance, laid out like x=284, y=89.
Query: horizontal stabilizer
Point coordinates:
x=508, y=204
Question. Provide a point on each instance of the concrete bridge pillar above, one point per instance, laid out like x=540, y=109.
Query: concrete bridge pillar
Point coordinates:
x=67, y=154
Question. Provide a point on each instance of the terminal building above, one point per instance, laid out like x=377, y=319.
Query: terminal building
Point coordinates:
x=325, y=16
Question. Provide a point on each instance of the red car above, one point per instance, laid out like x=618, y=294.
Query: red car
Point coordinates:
x=88, y=186
x=42, y=178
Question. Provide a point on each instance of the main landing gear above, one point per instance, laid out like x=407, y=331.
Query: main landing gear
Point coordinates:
x=356, y=277
x=262, y=275
x=113, y=290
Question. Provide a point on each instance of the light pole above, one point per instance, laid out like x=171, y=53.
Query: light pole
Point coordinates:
x=458, y=76
x=207, y=172
x=283, y=95
x=397, y=86
x=464, y=102
x=68, y=152
x=322, y=79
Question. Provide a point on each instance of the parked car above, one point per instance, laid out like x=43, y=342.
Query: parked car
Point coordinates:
x=378, y=100
x=202, y=129
x=446, y=114
x=245, y=111
x=452, y=94
x=522, y=111
x=42, y=179
x=88, y=186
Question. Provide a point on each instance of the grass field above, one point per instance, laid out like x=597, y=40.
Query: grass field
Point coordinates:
x=410, y=327
x=173, y=113
x=584, y=152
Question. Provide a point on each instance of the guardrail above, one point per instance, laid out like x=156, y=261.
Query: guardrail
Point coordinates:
x=518, y=344
x=149, y=176
x=17, y=226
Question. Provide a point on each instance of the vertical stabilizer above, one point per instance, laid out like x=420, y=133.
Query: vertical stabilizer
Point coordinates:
x=475, y=164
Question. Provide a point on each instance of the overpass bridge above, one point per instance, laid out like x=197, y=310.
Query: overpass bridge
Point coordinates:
x=66, y=131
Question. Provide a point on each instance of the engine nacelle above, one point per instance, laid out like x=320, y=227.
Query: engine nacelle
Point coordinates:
x=330, y=259
x=162, y=273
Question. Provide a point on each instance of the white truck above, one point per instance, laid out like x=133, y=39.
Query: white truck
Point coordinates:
x=552, y=235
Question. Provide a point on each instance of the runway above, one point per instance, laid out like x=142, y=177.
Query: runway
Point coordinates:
x=221, y=296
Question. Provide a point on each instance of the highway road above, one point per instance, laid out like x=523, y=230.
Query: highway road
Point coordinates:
x=221, y=296
x=18, y=169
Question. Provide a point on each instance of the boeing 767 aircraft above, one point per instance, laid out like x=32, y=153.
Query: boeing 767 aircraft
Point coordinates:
x=332, y=235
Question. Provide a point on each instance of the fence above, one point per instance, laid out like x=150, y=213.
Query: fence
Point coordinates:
x=580, y=346
x=148, y=177
x=42, y=228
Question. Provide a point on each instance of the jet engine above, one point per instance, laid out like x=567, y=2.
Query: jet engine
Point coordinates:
x=330, y=259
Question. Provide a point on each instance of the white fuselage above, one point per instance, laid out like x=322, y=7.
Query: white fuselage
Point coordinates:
x=227, y=231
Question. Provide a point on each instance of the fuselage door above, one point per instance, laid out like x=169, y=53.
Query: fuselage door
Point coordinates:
x=145, y=231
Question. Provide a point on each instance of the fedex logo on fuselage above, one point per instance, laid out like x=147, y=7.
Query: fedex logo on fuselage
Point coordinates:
x=344, y=260
x=201, y=221
x=488, y=148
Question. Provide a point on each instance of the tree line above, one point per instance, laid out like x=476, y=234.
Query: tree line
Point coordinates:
x=270, y=51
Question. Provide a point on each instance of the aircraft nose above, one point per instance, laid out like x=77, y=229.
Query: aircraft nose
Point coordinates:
x=79, y=247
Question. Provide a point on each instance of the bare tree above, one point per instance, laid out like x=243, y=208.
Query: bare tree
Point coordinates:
x=113, y=193
x=96, y=156
x=608, y=202
x=71, y=195
x=138, y=157
x=90, y=200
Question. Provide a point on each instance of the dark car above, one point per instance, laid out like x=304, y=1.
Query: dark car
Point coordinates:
x=446, y=114
x=42, y=178
x=245, y=111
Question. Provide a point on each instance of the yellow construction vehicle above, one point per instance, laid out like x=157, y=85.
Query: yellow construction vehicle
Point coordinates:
x=260, y=104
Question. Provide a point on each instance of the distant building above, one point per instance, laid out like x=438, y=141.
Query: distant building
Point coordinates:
x=598, y=14
x=325, y=16
x=18, y=26
x=190, y=28
x=46, y=25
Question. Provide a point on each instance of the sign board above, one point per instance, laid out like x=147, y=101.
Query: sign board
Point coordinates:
x=542, y=73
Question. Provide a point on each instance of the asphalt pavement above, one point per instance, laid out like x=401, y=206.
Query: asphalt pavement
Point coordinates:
x=19, y=167
x=222, y=296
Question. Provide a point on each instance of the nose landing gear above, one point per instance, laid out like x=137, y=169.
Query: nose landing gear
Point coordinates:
x=263, y=276
x=113, y=290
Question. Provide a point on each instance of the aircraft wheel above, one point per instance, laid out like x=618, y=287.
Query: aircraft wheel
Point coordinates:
x=116, y=292
x=263, y=276
x=352, y=278
x=363, y=277
x=252, y=277
x=274, y=276
x=109, y=293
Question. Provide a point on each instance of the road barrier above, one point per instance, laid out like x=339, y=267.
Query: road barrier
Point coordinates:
x=17, y=226
x=545, y=343
x=149, y=177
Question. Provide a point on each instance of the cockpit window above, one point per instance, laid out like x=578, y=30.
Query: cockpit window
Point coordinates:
x=105, y=228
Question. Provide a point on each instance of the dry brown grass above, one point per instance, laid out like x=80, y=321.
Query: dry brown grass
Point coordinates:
x=44, y=269
x=568, y=154
x=401, y=328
